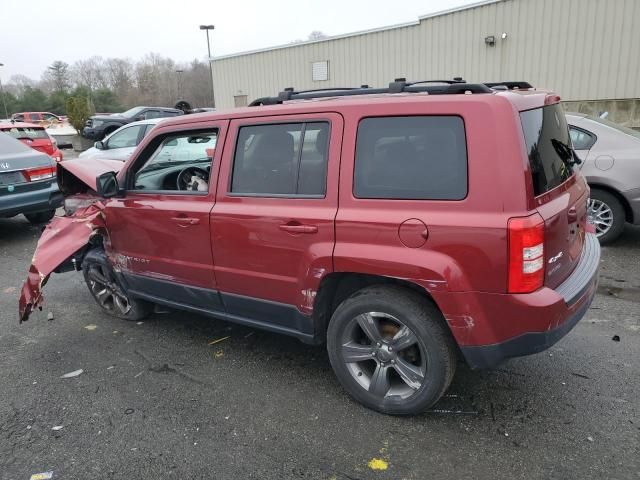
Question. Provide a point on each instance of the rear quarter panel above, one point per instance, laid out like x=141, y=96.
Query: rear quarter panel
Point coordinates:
x=466, y=249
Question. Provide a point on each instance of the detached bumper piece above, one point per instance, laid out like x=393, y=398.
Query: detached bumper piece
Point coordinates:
x=577, y=291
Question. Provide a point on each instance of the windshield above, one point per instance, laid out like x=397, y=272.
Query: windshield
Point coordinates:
x=548, y=146
x=132, y=112
x=620, y=128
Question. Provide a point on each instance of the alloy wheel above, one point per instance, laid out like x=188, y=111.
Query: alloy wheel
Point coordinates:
x=601, y=215
x=106, y=291
x=384, y=355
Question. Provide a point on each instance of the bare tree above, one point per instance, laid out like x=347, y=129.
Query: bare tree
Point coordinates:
x=89, y=73
x=317, y=35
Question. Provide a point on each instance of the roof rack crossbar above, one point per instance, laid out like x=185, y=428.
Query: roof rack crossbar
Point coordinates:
x=510, y=85
x=399, y=85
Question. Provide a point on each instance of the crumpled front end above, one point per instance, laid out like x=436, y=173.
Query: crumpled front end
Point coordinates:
x=61, y=241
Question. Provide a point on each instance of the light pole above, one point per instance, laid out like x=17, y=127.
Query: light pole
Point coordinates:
x=179, y=72
x=207, y=28
x=4, y=100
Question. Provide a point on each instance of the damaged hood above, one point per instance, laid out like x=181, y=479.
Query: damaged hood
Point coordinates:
x=85, y=171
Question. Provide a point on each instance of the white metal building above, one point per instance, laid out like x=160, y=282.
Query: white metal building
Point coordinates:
x=586, y=50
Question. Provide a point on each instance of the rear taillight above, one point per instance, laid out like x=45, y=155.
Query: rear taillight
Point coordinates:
x=40, y=173
x=526, y=254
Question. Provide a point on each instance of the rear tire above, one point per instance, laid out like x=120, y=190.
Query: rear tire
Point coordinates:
x=391, y=349
x=107, y=291
x=40, y=217
x=607, y=213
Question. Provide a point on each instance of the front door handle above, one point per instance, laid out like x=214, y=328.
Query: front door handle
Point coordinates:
x=299, y=228
x=186, y=221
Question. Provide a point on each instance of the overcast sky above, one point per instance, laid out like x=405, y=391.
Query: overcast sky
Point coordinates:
x=34, y=33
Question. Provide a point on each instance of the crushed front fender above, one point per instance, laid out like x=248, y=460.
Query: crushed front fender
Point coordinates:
x=61, y=240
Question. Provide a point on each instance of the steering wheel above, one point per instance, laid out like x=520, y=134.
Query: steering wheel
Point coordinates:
x=194, y=179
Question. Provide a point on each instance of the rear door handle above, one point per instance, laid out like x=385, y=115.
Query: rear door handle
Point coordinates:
x=186, y=221
x=298, y=228
x=572, y=215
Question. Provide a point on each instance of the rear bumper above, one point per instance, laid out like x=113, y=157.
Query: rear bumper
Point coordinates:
x=514, y=325
x=633, y=198
x=34, y=201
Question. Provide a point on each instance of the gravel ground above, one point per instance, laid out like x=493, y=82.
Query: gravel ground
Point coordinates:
x=155, y=400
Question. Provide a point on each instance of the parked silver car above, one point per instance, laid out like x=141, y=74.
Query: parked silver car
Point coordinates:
x=610, y=155
x=120, y=144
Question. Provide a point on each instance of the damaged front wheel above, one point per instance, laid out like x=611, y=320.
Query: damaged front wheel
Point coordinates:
x=107, y=290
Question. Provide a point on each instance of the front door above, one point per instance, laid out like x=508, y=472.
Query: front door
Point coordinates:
x=159, y=231
x=272, y=225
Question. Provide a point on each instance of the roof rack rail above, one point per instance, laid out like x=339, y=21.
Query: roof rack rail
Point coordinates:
x=510, y=85
x=399, y=85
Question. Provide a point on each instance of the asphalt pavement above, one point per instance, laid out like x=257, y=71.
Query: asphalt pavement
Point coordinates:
x=184, y=396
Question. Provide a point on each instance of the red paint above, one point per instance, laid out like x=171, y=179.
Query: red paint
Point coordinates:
x=44, y=145
x=280, y=249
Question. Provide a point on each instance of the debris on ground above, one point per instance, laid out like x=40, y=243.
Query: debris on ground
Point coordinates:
x=580, y=375
x=139, y=323
x=75, y=373
x=616, y=338
x=129, y=411
x=91, y=327
x=218, y=340
x=50, y=316
x=218, y=354
x=377, y=464
x=57, y=428
x=41, y=476
x=590, y=439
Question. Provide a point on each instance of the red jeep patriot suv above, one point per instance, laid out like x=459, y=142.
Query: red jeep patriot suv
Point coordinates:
x=405, y=227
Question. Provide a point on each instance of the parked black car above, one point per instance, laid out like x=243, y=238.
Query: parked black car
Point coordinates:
x=27, y=182
x=99, y=126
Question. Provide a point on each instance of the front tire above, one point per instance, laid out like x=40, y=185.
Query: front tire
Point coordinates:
x=607, y=214
x=391, y=349
x=40, y=217
x=107, y=290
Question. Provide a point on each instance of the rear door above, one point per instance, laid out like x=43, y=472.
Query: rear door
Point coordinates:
x=273, y=223
x=560, y=190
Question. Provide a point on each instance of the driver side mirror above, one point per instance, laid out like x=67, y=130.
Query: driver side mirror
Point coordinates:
x=140, y=117
x=107, y=185
x=100, y=145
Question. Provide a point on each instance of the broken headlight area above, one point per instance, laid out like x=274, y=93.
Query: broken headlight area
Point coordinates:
x=75, y=202
x=61, y=248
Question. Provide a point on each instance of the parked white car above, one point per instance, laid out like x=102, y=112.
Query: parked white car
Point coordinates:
x=122, y=142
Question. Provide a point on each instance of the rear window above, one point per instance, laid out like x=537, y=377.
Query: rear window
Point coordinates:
x=548, y=146
x=26, y=132
x=411, y=158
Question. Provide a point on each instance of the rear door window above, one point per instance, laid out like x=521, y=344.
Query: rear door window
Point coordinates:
x=411, y=158
x=281, y=159
x=548, y=147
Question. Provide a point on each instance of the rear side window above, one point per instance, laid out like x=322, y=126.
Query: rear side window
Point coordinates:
x=281, y=159
x=548, y=146
x=413, y=158
x=580, y=139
